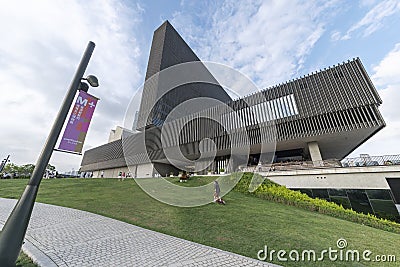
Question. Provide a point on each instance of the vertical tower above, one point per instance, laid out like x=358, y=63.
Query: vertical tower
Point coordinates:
x=169, y=49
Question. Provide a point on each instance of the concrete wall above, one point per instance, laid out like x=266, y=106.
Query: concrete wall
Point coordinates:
x=145, y=170
x=345, y=178
x=116, y=134
x=110, y=173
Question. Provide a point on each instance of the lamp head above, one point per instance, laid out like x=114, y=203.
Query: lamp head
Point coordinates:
x=92, y=80
x=83, y=86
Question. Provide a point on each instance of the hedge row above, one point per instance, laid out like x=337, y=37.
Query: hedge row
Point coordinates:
x=280, y=194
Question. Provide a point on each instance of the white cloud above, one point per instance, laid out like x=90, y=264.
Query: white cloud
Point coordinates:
x=267, y=40
x=372, y=20
x=336, y=35
x=386, y=78
x=270, y=40
x=42, y=44
x=367, y=3
x=387, y=72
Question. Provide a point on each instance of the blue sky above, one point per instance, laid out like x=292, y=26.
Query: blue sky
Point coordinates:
x=269, y=41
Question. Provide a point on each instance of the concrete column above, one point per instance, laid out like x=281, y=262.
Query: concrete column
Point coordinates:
x=315, y=154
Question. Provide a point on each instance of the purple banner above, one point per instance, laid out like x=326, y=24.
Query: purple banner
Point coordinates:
x=78, y=123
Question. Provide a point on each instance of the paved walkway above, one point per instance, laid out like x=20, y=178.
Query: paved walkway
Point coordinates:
x=59, y=236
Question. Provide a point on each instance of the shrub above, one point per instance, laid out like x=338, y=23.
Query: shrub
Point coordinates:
x=280, y=194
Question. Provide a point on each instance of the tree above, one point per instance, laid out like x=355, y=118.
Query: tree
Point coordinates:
x=10, y=168
x=51, y=167
x=26, y=170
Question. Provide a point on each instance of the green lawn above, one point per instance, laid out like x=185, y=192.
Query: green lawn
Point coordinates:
x=244, y=226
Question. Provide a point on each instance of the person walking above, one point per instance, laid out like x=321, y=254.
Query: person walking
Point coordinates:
x=217, y=191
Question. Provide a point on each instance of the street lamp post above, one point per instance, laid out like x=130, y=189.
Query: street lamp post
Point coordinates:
x=4, y=162
x=13, y=233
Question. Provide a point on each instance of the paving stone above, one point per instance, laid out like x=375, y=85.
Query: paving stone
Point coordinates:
x=59, y=236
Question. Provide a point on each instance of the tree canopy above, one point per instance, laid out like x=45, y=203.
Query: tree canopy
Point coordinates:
x=24, y=170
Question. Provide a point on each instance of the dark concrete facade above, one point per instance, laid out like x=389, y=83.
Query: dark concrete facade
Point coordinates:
x=367, y=201
x=169, y=49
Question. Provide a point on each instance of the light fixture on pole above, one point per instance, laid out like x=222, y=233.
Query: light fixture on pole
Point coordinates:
x=91, y=79
x=4, y=162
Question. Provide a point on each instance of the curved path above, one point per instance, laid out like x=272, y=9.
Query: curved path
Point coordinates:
x=59, y=236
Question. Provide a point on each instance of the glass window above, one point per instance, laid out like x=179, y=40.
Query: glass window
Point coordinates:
x=320, y=193
x=359, y=201
x=378, y=194
x=293, y=101
x=337, y=192
x=283, y=107
x=385, y=209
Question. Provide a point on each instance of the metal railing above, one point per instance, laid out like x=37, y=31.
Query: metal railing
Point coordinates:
x=371, y=161
x=364, y=161
x=293, y=165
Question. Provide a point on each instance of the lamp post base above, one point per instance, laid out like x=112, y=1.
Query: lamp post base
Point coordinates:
x=14, y=229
